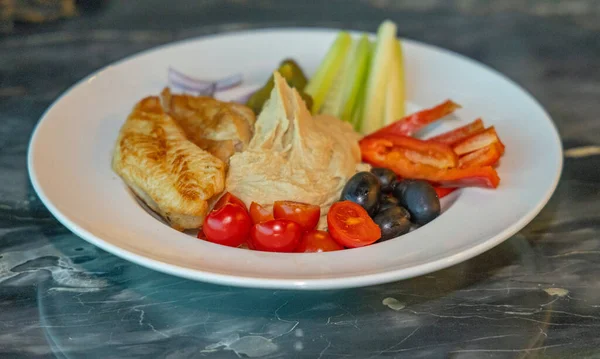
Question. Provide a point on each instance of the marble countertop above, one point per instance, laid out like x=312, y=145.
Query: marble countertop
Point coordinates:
x=536, y=295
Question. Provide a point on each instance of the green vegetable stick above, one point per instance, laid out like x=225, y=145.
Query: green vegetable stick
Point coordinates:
x=320, y=83
x=395, y=97
x=373, y=112
x=357, y=75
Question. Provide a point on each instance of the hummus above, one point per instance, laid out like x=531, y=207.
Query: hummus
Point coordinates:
x=294, y=156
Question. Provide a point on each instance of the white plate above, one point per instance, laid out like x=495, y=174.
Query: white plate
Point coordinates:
x=70, y=151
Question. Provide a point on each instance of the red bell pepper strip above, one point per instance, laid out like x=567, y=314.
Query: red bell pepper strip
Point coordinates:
x=419, y=151
x=477, y=141
x=378, y=152
x=454, y=136
x=409, y=125
x=444, y=191
x=487, y=156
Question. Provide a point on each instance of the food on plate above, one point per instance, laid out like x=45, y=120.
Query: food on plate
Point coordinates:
x=350, y=225
x=228, y=225
x=317, y=241
x=359, y=82
x=173, y=176
x=364, y=189
x=420, y=199
x=427, y=160
x=290, y=172
x=228, y=198
x=294, y=156
x=306, y=215
x=387, y=201
x=387, y=178
x=277, y=235
x=259, y=214
x=294, y=76
x=486, y=138
x=344, y=94
x=325, y=76
x=384, y=92
x=221, y=128
x=453, y=137
x=202, y=87
x=444, y=191
x=393, y=222
x=485, y=156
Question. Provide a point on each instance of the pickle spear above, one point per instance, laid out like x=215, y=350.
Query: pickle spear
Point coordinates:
x=293, y=75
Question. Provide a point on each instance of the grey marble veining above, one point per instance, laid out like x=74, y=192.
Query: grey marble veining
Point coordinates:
x=536, y=295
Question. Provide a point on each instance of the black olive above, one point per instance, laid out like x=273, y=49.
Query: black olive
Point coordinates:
x=393, y=222
x=386, y=177
x=387, y=201
x=364, y=189
x=420, y=199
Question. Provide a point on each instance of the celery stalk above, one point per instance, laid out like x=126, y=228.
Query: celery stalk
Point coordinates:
x=357, y=76
x=375, y=96
x=321, y=82
x=342, y=96
x=395, y=96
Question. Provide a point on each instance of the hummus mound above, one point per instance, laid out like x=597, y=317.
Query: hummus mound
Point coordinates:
x=294, y=156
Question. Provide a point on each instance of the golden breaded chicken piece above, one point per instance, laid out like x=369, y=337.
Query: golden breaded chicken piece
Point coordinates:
x=221, y=128
x=168, y=172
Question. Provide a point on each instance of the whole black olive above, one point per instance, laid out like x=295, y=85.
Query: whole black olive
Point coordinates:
x=420, y=199
x=393, y=222
x=386, y=177
x=387, y=201
x=364, y=189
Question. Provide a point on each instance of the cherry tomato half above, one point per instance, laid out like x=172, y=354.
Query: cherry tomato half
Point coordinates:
x=229, y=225
x=278, y=235
x=350, y=225
x=259, y=214
x=306, y=215
x=228, y=198
x=317, y=241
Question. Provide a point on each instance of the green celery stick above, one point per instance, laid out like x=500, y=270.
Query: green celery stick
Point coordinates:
x=320, y=83
x=375, y=96
x=395, y=96
x=357, y=75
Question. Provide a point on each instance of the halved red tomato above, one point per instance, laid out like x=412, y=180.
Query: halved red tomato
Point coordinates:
x=317, y=241
x=278, y=235
x=229, y=225
x=259, y=214
x=306, y=215
x=350, y=225
x=228, y=198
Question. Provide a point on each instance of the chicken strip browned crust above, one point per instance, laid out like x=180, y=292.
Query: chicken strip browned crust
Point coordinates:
x=221, y=128
x=167, y=171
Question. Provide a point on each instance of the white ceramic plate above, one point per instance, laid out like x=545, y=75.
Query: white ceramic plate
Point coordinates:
x=70, y=151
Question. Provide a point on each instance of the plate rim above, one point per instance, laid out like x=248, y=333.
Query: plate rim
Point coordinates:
x=350, y=281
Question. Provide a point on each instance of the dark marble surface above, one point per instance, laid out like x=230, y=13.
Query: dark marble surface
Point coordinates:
x=536, y=295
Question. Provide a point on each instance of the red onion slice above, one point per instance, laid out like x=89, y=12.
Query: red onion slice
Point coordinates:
x=202, y=87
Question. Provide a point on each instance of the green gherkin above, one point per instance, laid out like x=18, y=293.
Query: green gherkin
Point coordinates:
x=293, y=75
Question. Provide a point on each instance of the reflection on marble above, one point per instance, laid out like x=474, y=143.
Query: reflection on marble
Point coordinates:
x=536, y=295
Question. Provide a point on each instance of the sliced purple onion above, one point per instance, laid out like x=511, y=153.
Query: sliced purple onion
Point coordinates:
x=202, y=87
x=229, y=82
x=181, y=80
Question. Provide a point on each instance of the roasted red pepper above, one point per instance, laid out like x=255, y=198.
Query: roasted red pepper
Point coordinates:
x=411, y=124
x=382, y=152
x=444, y=191
x=453, y=137
x=487, y=156
x=478, y=141
x=418, y=151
